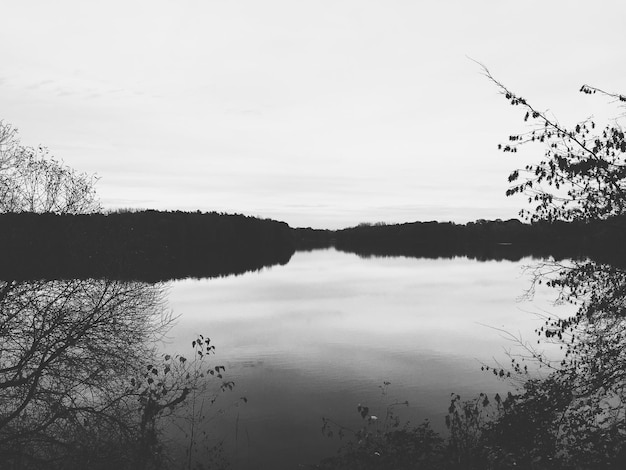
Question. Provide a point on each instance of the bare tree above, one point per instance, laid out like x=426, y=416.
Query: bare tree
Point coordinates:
x=69, y=349
x=33, y=181
x=81, y=381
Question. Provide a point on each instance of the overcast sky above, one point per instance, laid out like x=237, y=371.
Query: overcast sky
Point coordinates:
x=319, y=113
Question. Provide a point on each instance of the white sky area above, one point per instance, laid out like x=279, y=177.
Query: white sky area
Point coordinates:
x=319, y=113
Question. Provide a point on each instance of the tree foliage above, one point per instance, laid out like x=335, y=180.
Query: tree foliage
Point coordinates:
x=582, y=175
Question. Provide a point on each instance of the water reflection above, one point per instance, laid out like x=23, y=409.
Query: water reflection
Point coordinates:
x=571, y=417
x=319, y=335
x=81, y=383
x=582, y=401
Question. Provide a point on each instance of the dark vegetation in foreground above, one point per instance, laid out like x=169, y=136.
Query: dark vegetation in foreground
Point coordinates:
x=83, y=385
x=571, y=417
x=537, y=428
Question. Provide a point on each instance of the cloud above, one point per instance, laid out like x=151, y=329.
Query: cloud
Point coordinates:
x=64, y=92
x=39, y=84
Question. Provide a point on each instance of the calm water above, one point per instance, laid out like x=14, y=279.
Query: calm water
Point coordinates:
x=320, y=335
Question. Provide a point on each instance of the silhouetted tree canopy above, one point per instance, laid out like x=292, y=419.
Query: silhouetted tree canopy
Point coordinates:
x=582, y=174
x=145, y=245
x=488, y=239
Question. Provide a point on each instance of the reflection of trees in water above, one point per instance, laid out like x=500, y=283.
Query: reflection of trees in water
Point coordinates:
x=592, y=339
x=81, y=383
x=574, y=417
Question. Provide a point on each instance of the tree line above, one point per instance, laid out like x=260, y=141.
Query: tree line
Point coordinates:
x=146, y=245
x=480, y=240
x=154, y=245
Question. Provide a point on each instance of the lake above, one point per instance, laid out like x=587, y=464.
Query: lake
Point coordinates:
x=316, y=337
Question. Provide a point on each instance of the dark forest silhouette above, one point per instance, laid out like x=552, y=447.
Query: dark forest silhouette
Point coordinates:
x=155, y=245
x=482, y=240
x=146, y=245
x=488, y=240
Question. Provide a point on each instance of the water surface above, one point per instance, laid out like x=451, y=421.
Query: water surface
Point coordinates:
x=320, y=335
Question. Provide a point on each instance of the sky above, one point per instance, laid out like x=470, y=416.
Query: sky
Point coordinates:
x=320, y=113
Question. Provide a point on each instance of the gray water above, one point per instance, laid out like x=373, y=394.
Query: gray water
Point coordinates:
x=320, y=335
